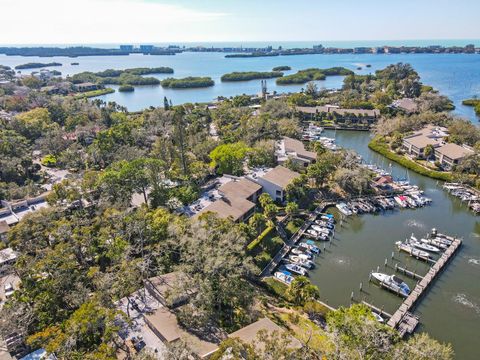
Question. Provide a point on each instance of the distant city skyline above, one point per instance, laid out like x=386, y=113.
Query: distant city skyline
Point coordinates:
x=182, y=21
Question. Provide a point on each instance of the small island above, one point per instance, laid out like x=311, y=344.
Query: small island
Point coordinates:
x=282, y=68
x=36, y=65
x=251, y=75
x=475, y=103
x=304, y=76
x=122, y=77
x=126, y=88
x=187, y=83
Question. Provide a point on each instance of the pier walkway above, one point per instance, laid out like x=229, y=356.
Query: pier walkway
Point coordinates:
x=290, y=243
x=403, y=320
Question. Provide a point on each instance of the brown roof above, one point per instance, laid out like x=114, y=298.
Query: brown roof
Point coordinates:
x=454, y=151
x=248, y=334
x=298, y=147
x=334, y=109
x=164, y=323
x=242, y=188
x=4, y=227
x=421, y=141
x=280, y=176
x=234, y=207
x=407, y=104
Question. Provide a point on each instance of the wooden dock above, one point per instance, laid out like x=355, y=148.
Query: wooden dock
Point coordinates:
x=378, y=310
x=403, y=320
x=407, y=272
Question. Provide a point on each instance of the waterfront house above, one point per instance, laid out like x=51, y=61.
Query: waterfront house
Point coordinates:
x=452, y=154
x=416, y=143
x=294, y=149
x=332, y=112
x=86, y=86
x=275, y=182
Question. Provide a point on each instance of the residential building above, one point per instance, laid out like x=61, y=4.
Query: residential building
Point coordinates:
x=237, y=209
x=275, y=182
x=234, y=199
x=7, y=258
x=146, y=48
x=4, y=228
x=249, y=334
x=430, y=135
x=407, y=105
x=164, y=324
x=294, y=149
x=87, y=86
x=452, y=154
x=339, y=114
x=126, y=47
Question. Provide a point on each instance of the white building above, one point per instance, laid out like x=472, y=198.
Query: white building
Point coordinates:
x=275, y=182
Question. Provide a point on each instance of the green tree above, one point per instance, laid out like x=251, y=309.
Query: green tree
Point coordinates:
x=229, y=158
x=301, y=290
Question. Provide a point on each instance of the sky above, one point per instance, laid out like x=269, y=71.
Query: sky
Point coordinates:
x=159, y=21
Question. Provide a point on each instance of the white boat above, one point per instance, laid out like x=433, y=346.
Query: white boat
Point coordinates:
x=378, y=317
x=321, y=230
x=423, y=246
x=297, y=269
x=343, y=208
x=409, y=249
x=298, y=251
x=302, y=260
x=435, y=242
x=392, y=282
x=284, y=276
x=310, y=246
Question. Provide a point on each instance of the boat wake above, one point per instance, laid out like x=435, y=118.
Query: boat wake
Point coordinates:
x=462, y=299
x=474, y=261
x=415, y=224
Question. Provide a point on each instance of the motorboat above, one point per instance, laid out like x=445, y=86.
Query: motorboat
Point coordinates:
x=302, y=260
x=284, y=276
x=306, y=252
x=409, y=249
x=378, y=317
x=435, y=242
x=343, y=208
x=296, y=269
x=326, y=224
x=392, y=282
x=423, y=246
x=321, y=230
x=401, y=201
x=309, y=244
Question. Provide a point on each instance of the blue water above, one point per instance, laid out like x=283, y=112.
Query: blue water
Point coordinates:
x=455, y=75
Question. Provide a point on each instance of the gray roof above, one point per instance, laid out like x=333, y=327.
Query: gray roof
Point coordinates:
x=280, y=176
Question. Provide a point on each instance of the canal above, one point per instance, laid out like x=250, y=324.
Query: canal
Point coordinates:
x=450, y=311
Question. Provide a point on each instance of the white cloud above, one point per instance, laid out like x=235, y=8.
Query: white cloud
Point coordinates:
x=99, y=21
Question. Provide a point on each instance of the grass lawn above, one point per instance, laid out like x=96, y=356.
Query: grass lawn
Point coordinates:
x=276, y=287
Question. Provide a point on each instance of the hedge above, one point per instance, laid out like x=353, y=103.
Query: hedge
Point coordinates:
x=381, y=148
x=259, y=239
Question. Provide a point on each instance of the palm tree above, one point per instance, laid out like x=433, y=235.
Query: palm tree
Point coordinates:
x=301, y=290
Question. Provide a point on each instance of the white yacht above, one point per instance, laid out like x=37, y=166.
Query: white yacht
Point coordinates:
x=392, y=282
